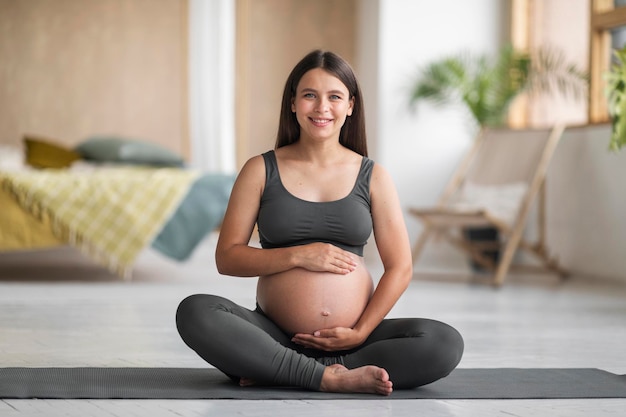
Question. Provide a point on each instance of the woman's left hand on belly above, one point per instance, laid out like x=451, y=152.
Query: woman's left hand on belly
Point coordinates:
x=338, y=338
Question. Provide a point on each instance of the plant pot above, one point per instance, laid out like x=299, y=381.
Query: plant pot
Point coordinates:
x=483, y=235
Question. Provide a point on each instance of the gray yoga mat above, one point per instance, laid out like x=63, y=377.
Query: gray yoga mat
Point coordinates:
x=194, y=383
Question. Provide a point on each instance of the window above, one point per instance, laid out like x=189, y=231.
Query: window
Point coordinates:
x=602, y=25
x=607, y=32
x=558, y=25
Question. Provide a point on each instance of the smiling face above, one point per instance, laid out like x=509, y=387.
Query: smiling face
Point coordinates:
x=321, y=104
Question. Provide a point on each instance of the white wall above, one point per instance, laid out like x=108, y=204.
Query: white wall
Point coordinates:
x=421, y=148
x=586, y=206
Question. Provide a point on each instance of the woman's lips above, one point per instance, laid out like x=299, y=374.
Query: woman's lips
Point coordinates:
x=320, y=122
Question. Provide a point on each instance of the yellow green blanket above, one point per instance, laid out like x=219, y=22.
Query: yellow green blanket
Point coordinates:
x=110, y=214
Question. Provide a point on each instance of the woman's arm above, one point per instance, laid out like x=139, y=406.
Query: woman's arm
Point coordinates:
x=234, y=256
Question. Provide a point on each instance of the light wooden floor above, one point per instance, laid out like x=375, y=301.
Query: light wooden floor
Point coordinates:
x=57, y=309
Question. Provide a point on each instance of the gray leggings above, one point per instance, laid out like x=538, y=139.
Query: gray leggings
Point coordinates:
x=246, y=343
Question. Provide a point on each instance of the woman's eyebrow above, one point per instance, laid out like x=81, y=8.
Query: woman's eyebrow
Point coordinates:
x=312, y=90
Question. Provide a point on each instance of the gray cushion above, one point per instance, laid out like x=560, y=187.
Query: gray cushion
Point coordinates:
x=127, y=151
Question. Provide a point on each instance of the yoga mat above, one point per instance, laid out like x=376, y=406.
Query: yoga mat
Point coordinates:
x=195, y=383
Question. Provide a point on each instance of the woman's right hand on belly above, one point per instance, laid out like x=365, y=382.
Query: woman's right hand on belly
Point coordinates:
x=325, y=257
x=338, y=338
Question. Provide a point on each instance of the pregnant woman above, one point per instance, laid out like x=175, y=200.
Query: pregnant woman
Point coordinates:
x=316, y=198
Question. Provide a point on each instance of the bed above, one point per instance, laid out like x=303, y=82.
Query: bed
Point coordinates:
x=109, y=209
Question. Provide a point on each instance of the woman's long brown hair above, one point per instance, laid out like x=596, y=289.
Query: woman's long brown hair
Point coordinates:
x=352, y=134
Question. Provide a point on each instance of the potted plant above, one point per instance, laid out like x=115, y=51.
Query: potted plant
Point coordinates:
x=616, y=95
x=487, y=86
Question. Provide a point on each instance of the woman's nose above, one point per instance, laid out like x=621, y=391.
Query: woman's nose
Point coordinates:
x=322, y=105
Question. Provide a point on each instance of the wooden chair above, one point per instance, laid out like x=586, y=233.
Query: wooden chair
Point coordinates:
x=495, y=186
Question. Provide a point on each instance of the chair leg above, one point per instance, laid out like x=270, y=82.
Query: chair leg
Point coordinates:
x=505, y=263
x=512, y=243
x=472, y=250
x=421, y=242
x=549, y=262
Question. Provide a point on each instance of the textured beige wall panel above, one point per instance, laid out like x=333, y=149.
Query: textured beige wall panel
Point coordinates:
x=73, y=68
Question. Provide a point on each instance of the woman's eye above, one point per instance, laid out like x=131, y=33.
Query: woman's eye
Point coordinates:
x=335, y=97
x=309, y=95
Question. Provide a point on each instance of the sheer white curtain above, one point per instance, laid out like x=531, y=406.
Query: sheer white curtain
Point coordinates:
x=212, y=85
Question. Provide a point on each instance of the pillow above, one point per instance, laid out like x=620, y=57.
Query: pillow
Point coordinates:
x=127, y=151
x=46, y=153
x=502, y=201
x=11, y=158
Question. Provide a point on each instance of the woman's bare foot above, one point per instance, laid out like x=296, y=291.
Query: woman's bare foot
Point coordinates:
x=368, y=379
x=246, y=382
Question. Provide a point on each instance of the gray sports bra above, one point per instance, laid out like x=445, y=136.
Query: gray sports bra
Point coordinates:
x=286, y=220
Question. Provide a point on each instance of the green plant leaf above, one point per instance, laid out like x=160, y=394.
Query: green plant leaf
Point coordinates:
x=487, y=85
x=616, y=99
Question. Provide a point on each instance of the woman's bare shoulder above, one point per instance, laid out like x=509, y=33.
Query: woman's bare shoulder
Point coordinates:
x=382, y=185
x=381, y=176
x=253, y=166
x=252, y=174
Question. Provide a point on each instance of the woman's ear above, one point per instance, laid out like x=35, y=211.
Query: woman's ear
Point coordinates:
x=293, y=105
x=351, y=107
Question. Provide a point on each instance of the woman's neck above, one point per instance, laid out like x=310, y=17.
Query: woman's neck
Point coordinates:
x=319, y=151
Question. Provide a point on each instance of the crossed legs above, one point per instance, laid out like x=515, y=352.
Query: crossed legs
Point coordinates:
x=246, y=344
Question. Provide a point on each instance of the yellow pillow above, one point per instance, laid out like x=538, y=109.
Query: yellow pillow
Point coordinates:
x=44, y=153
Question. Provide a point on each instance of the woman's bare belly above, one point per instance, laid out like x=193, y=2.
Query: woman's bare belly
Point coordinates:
x=301, y=301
